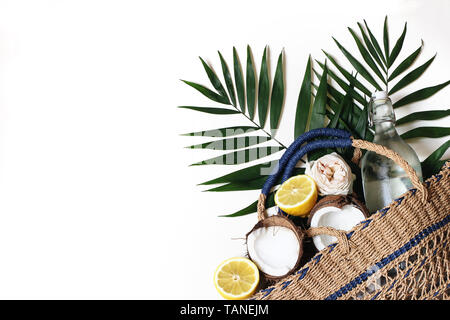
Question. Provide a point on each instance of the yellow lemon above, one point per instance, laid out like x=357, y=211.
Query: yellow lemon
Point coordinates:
x=297, y=195
x=236, y=278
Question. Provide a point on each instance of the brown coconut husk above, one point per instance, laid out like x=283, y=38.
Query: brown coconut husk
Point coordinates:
x=280, y=221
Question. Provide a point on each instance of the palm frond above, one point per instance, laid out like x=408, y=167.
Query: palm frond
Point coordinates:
x=344, y=106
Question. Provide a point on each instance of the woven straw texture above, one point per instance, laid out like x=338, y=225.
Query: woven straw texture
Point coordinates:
x=401, y=252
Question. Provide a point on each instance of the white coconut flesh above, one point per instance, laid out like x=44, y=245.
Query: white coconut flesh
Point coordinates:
x=344, y=219
x=274, y=249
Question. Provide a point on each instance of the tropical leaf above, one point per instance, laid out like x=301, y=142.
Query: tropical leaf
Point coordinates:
x=361, y=125
x=207, y=92
x=358, y=66
x=239, y=80
x=303, y=102
x=342, y=124
x=215, y=81
x=337, y=96
x=348, y=75
x=412, y=76
x=424, y=115
x=319, y=112
x=386, y=41
x=222, y=132
x=432, y=163
x=437, y=154
x=319, y=105
x=405, y=64
x=375, y=44
x=419, y=95
x=270, y=202
x=228, y=79
x=366, y=55
x=241, y=156
x=374, y=58
x=429, y=170
x=231, y=143
x=397, y=48
x=221, y=111
x=246, y=174
x=371, y=48
x=277, y=97
x=254, y=184
x=334, y=106
x=346, y=110
x=337, y=113
x=344, y=85
x=263, y=90
x=250, y=84
x=426, y=132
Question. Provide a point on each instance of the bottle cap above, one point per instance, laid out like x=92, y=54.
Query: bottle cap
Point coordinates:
x=380, y=95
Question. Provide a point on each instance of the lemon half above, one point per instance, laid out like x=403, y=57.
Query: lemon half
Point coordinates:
x=236, y=278
x=297, y=195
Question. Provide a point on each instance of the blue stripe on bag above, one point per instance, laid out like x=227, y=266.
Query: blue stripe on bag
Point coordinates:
x=409, y=245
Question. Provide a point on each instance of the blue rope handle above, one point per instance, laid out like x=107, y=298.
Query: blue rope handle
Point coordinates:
x=295, y=146
x=314, y=145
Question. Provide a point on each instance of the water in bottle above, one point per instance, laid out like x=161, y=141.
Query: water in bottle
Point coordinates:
x=383, y=179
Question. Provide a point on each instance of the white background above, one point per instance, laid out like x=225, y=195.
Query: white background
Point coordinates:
x=96, y=197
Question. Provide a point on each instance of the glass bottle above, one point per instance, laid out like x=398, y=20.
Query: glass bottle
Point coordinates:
x=384, y=180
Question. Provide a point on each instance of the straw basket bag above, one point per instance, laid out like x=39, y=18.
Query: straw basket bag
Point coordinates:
x=400, y=252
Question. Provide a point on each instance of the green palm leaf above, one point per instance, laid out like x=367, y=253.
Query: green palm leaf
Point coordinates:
x=421, y=94
x=366, y=55
x=222, y=132
x=348, y=75
x=337, y=112
x=246, y=174
x=344, y=85
x=426, y=132
x=303, y=102
x=405, y=64
x=361, y=125
x=386, y=41
x=231, y=143
x=342, y=124
x=221, y=111
x=241, y=156
x=337, y=96
x=371, y=48
x=358, y=66
x=270, y=202
x=412, y=76
x=397, y=48
x=277, y=98
x=255, y=184
x=263, y=90
x=250, y=84
x=375, y=44
x=215, y=80
x=319, y=105
x=239, y=80
x=424, y=115
x=432, y=163
x=228, y=80
x=208, y=92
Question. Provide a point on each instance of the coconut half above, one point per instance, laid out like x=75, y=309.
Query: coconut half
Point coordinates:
x=275, y=245
x=338, y=212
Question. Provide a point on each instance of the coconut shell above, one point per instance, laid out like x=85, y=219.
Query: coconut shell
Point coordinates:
x=280, y=221
x=338, y=201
